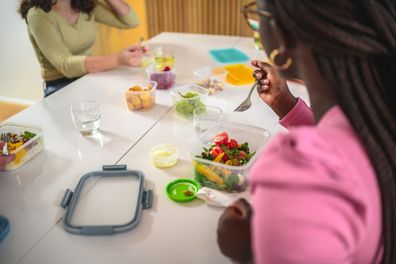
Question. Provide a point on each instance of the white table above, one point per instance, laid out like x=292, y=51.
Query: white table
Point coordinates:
x=167, y=233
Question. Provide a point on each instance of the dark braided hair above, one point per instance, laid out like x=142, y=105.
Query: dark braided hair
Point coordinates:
x=354, y=44
x=85, y=6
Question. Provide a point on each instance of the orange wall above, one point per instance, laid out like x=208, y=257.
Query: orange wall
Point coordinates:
x=110, y=40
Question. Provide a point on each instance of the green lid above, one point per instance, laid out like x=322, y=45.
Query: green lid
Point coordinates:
x=182, y=190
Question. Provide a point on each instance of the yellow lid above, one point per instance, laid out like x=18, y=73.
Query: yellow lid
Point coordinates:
x=239, y=74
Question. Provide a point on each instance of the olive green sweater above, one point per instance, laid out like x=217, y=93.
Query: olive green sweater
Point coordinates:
x=61, y=47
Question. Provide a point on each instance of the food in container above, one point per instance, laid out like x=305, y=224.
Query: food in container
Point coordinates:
x=211, y=78
x=189, y=97
x=22, y=141
x=224, y=155
x=141, y=95
x=164, y=156
x=165, y=77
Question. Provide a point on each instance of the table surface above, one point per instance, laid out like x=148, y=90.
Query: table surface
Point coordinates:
x=168, y=232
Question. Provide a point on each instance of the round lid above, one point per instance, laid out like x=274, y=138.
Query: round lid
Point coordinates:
x=182, y=190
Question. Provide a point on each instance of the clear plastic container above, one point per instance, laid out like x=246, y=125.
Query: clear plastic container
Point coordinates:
x=140, y=99
x=164, y=156
x=221, y=176
x=164, y=79
x=187, y=98
x=211, y=78
x=22, y=150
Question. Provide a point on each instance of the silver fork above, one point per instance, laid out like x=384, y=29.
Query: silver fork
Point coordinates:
x=247, y=103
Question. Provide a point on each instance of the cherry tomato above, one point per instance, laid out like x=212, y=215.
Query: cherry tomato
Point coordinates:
x=166, y=68
x=221, y=138
x=225, y=158
x=242, y=154
x=232, y=144
x=216, y=151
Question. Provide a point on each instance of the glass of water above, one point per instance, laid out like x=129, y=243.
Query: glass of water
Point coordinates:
x=86, y=117
x=206, y=117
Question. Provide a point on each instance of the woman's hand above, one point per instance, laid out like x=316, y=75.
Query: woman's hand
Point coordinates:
x=273, y=89
x=233, y=232
x=131, y=56
x=4, y=159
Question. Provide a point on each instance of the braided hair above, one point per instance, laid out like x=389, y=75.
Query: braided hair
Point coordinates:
x=354, y=45
x=85, y=6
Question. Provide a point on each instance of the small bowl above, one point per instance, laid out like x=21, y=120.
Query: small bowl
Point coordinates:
x=164, y=156
x=164, y=79
x=186, y=105
x=140, y=99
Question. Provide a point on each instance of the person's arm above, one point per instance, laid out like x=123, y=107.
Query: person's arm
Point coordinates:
x=53, y=48
x=299, y=115
x=116, y=13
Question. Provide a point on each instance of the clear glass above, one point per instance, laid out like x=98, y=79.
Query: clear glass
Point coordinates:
x=205, y=118
x=163, y=57
x=86, y=117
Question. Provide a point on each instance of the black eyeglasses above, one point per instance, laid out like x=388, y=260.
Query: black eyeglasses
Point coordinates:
x=251, y=13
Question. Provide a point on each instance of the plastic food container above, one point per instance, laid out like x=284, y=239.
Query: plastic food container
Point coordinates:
x=21, y=148
x=164, y=79
x=187, y=98
x=221, y=176
x=140, y=95
x=239, y=74
x=211, y=78
x=164, y=156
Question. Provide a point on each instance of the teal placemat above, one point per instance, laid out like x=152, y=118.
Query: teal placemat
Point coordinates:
x=228, y=55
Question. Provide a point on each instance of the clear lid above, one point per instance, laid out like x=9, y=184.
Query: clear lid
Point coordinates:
x=106, y=202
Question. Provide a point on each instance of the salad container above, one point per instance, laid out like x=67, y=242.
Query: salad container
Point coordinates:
x=187, y=98
x=219, y=175
x=23, y=143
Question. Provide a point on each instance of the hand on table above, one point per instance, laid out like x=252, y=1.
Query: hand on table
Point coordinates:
x=132, y=55
x=273, y=89
x=4, y=159
x=233, y=232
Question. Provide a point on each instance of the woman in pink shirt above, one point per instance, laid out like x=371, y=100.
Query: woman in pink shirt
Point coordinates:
x=326, y=191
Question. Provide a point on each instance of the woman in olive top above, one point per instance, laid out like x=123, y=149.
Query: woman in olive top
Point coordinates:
x=62, y=33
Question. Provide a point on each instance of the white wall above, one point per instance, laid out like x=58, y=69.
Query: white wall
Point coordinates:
x=19, y=69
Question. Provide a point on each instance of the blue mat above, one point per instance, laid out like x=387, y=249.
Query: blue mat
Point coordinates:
x=228, y=55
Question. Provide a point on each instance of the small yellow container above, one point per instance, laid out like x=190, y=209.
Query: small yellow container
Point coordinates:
x=164, y=156
x=239, y=74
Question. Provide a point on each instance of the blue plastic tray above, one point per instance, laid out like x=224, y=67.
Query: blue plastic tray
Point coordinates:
x=230, y=55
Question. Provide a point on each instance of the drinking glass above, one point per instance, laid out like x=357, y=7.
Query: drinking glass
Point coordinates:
x=86, y=117
x=206, y=117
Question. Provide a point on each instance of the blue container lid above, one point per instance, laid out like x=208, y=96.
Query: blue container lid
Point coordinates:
x=230, y=55
x=4, y=227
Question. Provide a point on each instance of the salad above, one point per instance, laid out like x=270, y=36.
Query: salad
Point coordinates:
x=225, y=151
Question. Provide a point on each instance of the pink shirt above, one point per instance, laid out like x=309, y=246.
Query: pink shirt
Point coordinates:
x=315, y=194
